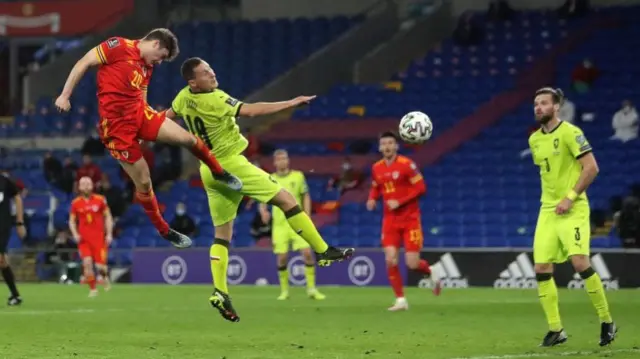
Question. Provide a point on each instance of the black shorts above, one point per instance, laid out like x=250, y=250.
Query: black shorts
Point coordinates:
x=5, y=234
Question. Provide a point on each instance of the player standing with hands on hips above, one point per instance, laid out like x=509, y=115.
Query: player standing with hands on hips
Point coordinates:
x=398, y=180
x=9, y=191
x=567, y=168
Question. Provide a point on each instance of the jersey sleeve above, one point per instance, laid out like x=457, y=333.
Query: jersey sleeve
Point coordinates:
x=111, y=50
x=577, y=143
x=413, y=172
x=304, y=188
x=73, y=209
x=176, y=105
x=226, y=105
x=104, y=206
x=11, y=189
x=374, y=192
x=533, y=153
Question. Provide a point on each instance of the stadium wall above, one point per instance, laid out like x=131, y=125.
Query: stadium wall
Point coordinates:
x=460, y=6
x=457, y=268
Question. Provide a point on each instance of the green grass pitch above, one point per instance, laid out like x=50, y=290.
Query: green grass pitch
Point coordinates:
x=145, y=321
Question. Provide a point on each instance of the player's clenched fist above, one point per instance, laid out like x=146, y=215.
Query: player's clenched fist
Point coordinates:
x=63, y=104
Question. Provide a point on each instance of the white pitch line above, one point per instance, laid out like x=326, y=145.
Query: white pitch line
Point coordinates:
x=551, y=355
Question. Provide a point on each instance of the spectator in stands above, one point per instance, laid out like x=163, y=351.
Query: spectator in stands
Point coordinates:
x=348, y=179
x=627, y=222
x=68, y=177
x=625, y=123
x=92, y=146
x=182, y=222
x=567, y=111
x=500, y=10
x=114, y=196
x=574, y=8
x=89, y=169
x=468, y=32
x=52, y=168
x=584, y=75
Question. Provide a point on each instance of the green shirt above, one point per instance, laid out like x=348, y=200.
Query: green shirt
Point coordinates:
x=212, y=117
x=296, y=184
x=557, y=154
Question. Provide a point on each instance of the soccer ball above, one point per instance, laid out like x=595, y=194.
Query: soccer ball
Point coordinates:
x=415, y=127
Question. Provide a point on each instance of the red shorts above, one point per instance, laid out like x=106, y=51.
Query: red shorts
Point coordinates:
x=96, y=251
x=409, y=233
x=120, y=135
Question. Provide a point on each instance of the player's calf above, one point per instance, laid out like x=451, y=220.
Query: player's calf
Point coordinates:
x=87, y=269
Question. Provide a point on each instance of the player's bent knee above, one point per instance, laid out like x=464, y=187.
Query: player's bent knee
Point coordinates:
x=543, y=267
x=4, y=263
x=391, y=262
x=580, y=262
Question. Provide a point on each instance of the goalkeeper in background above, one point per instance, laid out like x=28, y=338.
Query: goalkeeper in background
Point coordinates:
x=283, y=236
x=567, y=168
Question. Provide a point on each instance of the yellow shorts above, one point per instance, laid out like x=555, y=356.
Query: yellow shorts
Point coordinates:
x=559, y=237
x=283, y=237
x=223, y=201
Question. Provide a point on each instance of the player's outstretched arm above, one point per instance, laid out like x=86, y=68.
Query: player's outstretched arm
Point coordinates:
x=268, y=108
x=78, y=70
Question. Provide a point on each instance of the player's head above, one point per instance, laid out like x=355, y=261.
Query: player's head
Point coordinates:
x=546, y=104
x=85, y=186
x=281, y=160
x=159, y=45
x=388, y=144
x=198, y=74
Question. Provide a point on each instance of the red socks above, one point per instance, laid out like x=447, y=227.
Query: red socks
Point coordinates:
x=92, y=282
x=202, y=152
x=395, y=278
x=424, y=267
x=150, y=205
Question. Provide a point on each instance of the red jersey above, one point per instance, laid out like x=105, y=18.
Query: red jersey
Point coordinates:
x=399, y=180
x=122, y=79
x=89, y=214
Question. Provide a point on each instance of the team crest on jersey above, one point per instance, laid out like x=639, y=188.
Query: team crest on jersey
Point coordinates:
x=111, y=43
x=231, y=101
x=395, y=175
x=94, y=208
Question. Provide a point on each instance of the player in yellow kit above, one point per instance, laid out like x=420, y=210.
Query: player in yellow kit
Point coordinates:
x=210, y=114
x=567, y=168
x=283, y=236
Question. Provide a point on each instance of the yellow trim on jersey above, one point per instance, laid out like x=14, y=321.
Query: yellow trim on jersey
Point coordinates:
x=415, y=179
x=100, y=54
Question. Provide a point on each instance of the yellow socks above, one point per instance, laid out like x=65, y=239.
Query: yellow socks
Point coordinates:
x=310, y=275
x=594, y=287
x=303, y=226
x=548, y=294
x=283, y=275
x=219, y=255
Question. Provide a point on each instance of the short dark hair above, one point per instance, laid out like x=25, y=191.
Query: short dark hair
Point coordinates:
x=389, y=134
x=188, y=67
x=557, y=95
x=167, y=41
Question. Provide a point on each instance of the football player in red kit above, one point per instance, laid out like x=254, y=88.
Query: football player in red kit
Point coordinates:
x=91, y=225
x=398, y=180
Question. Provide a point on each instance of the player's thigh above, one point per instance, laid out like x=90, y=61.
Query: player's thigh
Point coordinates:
x=120, y=138
x=574, y=230
x=412, y=236
x=99, y=254
x=223, y=201
x=546, y=242
x=256, y=183
x=5, y=236
x=85, y=250
x=281, y=237
x=152, y=126
x=391, y=235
